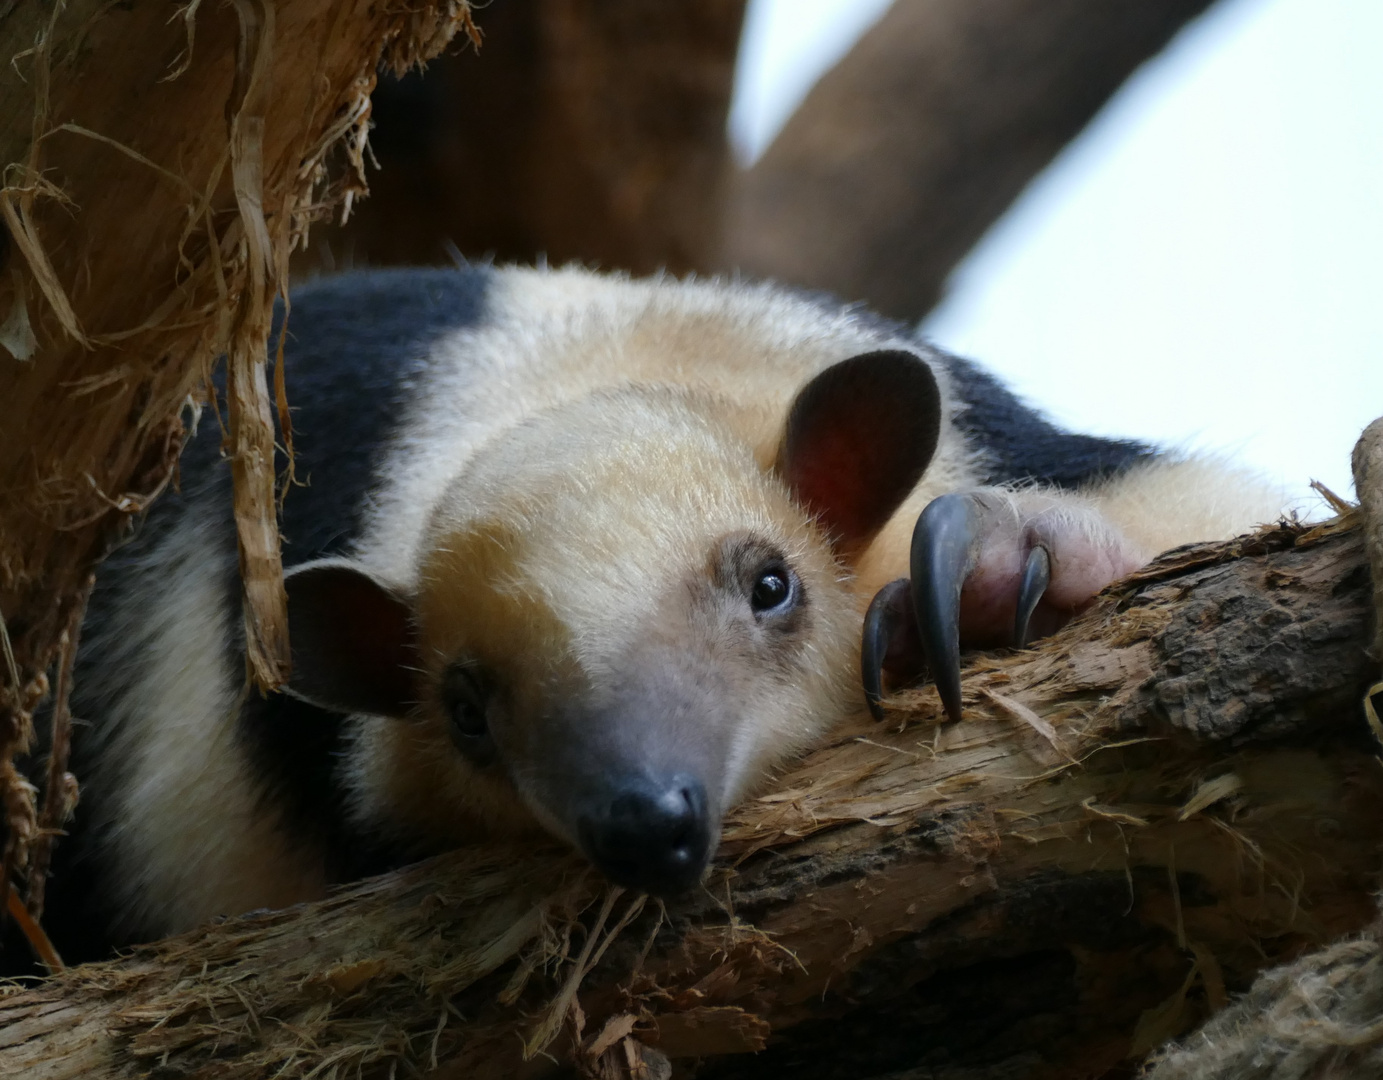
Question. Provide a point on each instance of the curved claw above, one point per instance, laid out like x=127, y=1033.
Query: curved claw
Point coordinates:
x=944, y=545
x=1037, y=575
x=884, y=622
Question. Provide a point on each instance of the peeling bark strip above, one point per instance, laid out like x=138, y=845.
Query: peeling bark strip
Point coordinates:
x=1318, y=1017
x=251, y=420
x=60, y=790
x=157, y=173
x=971, y=896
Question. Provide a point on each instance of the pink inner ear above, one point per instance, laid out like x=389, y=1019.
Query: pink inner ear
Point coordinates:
x=859, y=437
x=831, y=474
x=373, y=633
x=354, y=645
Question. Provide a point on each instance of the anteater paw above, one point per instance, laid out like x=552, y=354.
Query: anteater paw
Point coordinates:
x=989, y=567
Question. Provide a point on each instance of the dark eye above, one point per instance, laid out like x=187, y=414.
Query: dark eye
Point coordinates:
x=772, y=590
x=466, y=693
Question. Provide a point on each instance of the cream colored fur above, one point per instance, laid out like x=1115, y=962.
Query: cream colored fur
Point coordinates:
x=1175, y=501
x=183, y=826
x=736, y=355
x=571, y=386
x=570, y=460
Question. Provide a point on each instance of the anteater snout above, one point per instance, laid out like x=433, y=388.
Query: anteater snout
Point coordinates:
x=653, y=834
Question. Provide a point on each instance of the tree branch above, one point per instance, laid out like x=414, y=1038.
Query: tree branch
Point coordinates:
x=1133, y=819
x=913, y=145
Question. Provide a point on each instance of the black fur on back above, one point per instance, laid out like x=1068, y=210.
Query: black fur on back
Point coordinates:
x=355, y=350
x=1017, y=443
x=355, y=353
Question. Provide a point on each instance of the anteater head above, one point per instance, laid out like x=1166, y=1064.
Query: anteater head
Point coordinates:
x=629, y=609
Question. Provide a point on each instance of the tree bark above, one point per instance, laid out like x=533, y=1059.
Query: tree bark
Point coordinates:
x=601, y=139
x=1133, y=819
x=909, y=149
x=157, y=172
x=1318, y=1016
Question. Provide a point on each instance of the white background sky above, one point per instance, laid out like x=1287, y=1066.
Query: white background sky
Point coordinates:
x=1203, y=266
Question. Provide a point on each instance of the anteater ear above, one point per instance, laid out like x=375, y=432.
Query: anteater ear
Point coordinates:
x=354, y=642
x=858, y=438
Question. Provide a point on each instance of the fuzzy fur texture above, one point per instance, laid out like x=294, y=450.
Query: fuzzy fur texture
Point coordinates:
x=559, y=478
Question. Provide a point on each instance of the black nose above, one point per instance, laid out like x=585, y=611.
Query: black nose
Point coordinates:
x=652, y=834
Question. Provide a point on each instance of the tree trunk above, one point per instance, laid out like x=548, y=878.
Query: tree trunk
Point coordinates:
x=157, y=172
x=1134, y=818
x=903, y=155
x=600, y=138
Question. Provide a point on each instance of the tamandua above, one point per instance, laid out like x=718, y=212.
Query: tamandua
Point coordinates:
x=576, y=552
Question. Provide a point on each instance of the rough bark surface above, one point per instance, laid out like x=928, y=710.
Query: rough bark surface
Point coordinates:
x=589, y=130
x=1318, y=1017
x=157, y=170
x=904, y=154
x=1081, y=869
x=1367, y=464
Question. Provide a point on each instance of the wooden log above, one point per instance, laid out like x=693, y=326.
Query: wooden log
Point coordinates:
x=1133, y=819
x=1317, y=1016
x=159, y=163
x=904, y=154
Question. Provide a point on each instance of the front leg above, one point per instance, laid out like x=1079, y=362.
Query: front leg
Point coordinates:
x=989, y=567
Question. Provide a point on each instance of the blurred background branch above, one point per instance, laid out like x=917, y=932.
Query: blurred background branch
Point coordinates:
x=912, y=146
x=1208, y=219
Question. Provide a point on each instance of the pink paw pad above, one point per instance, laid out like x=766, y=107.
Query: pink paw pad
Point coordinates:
x=988, y=568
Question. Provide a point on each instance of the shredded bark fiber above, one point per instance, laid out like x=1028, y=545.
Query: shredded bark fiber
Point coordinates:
x=158, y=174
x=979, y=896
x=1316, y=1019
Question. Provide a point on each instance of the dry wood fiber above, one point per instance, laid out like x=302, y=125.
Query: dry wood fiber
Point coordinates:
x=157, y=173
